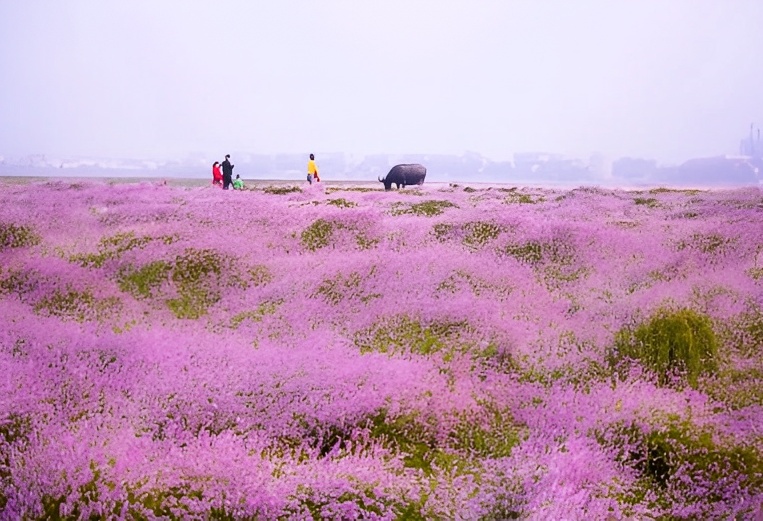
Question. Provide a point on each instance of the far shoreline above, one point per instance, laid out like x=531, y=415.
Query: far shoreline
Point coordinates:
x=200, y=182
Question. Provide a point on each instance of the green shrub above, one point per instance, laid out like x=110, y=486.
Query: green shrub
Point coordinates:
x=672, y=342
x=13, y=236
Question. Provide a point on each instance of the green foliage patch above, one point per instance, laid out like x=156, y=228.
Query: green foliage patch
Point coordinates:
x=479, y=233
x=477, y=285
x=711, y=243
x=341, y=203
x=428, y=208
x=333, y=189
x=77, y=305
x=663, y=454
x=143, y=282
x=260, y=275
x=670, y=343
x=114, y=246
x=664, y=190
x=341, y=287
x=15, y=236
x=318, y=234
x=535, y=252
x=281, y=190
x=197, y=274
x=649, y=202
x=515, y=197
x=269, y=307
x=736, y=387
x=402, y=335
x=15, y=281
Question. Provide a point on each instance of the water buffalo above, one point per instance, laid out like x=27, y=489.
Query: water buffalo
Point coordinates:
x=403, y=175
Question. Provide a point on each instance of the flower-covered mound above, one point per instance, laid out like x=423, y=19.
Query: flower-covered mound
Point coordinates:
x=348, y=353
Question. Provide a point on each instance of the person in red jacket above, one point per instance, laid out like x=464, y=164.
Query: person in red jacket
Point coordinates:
x=217, y=175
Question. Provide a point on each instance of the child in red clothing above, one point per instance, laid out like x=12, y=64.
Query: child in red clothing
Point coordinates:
x=217, y=175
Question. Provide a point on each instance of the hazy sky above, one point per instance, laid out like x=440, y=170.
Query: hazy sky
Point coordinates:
x=666, y=79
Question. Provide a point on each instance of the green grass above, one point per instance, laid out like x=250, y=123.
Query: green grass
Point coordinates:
x=479, y=233
x=403, y=335
x=318, y=234
x=281, y=190
x=428, y=208
x=341, y=203
x=341, y=287
x=264, y=309
x=197, y=275
x=536, y=252
x=15, y=281
x=649, y=202
x=77, y=305
x=14, y=236
x=260, y=275
x=662, y=454
x=519, y=198
x=143, y=282
x=114, y=246
x=711, y=243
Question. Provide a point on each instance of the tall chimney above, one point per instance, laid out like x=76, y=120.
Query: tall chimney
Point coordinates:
x=752, y=143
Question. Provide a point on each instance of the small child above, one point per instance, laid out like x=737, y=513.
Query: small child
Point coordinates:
x=238, y=184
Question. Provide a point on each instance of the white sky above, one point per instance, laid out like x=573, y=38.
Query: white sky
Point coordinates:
x=666, y=79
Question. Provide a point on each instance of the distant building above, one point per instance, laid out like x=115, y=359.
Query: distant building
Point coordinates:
x=751, y=145
x=634, y=168
x=718, y=170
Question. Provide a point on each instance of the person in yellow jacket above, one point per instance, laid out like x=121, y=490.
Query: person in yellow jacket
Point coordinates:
x=312, y=170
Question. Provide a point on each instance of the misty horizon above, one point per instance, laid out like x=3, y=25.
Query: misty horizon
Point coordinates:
x=145, y=80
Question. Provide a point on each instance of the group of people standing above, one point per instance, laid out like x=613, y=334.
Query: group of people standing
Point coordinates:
x=224, y=177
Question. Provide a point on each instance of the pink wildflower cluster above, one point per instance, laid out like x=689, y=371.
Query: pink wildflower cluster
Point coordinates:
x=348, y=353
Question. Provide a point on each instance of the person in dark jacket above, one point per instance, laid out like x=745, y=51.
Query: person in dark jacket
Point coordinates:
x=227, y=172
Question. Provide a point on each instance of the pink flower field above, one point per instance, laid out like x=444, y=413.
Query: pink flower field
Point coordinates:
x=342, y=352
